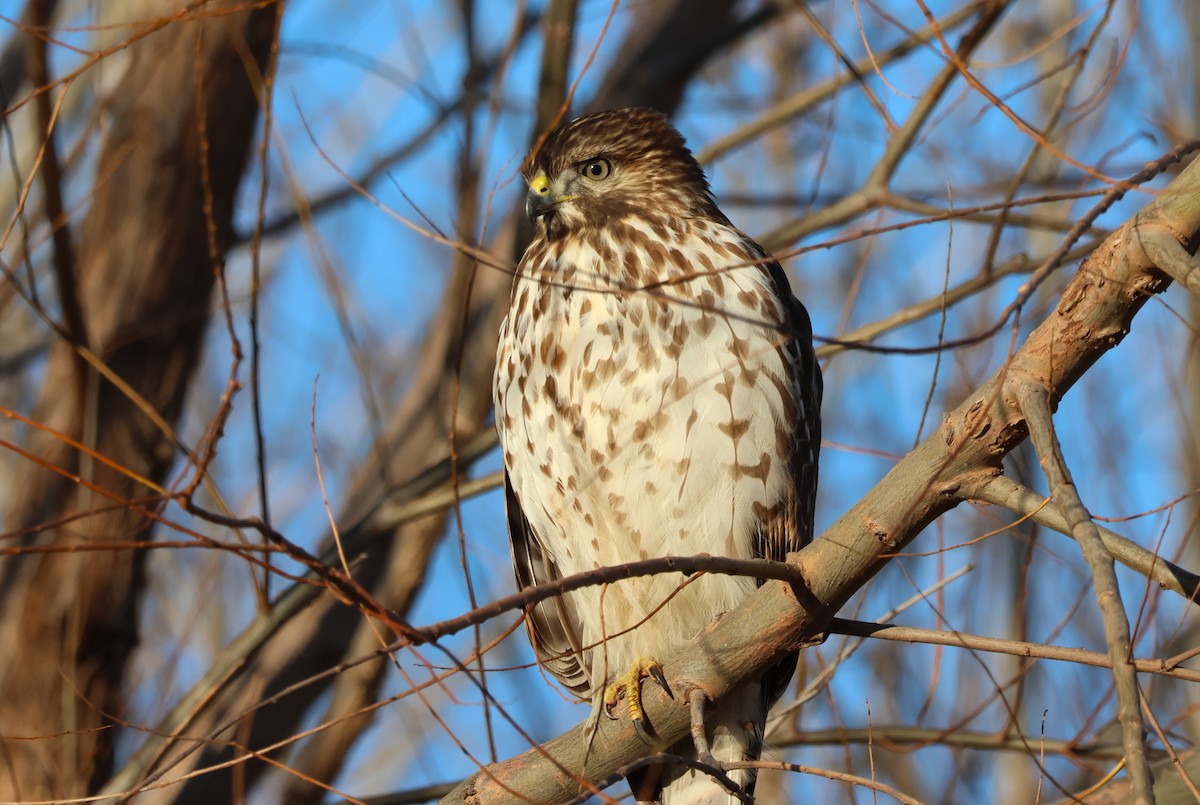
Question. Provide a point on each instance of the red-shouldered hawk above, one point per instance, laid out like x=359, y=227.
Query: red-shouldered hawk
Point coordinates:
x=656, y=394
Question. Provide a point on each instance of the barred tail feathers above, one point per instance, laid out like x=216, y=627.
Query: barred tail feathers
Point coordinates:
x=735, y=733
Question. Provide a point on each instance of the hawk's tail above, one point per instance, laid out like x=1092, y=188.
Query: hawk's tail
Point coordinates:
x=735, y=732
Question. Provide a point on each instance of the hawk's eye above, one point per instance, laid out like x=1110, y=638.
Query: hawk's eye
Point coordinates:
x=596, y=169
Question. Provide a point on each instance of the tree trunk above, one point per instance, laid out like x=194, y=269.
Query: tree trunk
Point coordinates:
x=144, y=275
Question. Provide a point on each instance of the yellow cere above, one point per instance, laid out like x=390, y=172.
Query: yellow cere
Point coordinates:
x=540, y=183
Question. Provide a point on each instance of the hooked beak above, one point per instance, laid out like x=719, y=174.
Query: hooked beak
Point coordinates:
x=539, y=200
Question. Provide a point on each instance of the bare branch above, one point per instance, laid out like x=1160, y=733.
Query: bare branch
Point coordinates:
x=1034, y=400
x=1005, y=492
x=1017, y=648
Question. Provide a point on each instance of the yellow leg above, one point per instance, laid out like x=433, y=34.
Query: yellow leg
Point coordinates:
x=630, y=684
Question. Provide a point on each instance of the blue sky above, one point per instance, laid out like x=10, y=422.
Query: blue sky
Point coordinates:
x=356, y=79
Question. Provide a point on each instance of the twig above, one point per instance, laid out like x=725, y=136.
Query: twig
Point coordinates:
x=1017, y=648
x=1171, y=753
x=862, y=337
x=753, y=568
x=875, y=189
x=821, y=680
x=1004, y=492
x=874, y=785
x=809, y=97
x=917, y=737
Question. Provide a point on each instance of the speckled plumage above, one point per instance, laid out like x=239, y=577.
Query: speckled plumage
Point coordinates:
x=656, y=394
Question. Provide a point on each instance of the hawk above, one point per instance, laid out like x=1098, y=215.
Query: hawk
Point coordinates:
x=656, y=394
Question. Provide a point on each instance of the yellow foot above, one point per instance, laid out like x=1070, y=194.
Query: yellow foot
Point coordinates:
x=630, y=684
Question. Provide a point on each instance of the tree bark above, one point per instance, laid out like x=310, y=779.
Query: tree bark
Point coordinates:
x=145, y=274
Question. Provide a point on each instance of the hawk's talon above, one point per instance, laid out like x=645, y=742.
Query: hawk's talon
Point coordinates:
x=656, y=672
x=630, y=686
x=641, y=727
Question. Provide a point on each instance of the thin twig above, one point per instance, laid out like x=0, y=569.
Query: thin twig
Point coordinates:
x=1017, y=648
x=1171, y=753
x=806, y=99
x=873, y=785
x=890, y=737
x=1007, y=493
x=822, y=680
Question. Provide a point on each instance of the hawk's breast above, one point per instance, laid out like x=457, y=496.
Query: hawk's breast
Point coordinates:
x=644, y=407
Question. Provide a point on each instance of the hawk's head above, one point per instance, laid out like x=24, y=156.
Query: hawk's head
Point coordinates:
x=610, y=165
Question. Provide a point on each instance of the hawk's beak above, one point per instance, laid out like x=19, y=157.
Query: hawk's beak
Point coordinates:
x=539, y=201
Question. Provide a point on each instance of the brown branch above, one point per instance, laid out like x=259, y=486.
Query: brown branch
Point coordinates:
x=906, y=738
x=65, y=265
x=667, y=45
x=610, y=574
x=1016, y=648
x=1034, y=400
x=809, y=97
x=144, y=276
x=558, y=44
x=1005, y=492
x=875, y=189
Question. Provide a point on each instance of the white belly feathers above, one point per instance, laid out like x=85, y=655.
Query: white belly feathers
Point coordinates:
x=644, y=418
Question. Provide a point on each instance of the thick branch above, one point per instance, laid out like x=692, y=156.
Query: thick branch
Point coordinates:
x=1163, y=249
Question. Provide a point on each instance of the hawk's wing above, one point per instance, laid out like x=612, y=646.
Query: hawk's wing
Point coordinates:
x=790, y=525
x=551, y=621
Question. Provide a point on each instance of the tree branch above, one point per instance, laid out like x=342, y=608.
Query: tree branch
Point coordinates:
x=1009, y=494
x=1034, y=399
x=1017, y=648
